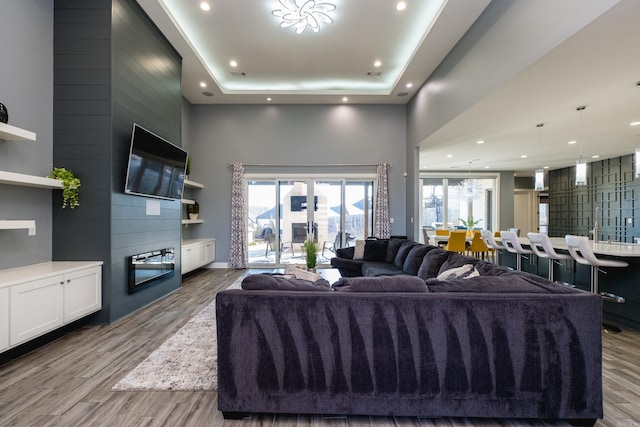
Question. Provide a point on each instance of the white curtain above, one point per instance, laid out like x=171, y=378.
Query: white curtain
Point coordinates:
x=238, y=251
x=382, y=211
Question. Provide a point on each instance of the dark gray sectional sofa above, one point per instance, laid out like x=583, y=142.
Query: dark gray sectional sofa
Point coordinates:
x=502, y=344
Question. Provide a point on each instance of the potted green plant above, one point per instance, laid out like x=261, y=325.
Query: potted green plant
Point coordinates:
x=70, y=185
x=311, y=254
x=193, y=209
x=469, y=223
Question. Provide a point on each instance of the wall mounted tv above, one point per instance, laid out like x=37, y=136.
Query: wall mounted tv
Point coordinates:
x=156, y=167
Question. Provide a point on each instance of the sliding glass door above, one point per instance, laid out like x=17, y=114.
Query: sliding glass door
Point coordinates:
x=283, y=213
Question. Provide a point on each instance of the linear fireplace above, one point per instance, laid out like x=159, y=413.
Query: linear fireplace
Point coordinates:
x=150, y=266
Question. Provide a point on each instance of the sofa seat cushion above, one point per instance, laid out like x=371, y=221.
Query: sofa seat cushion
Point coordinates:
x=279, y=282
x=403, y=283
x=371, y=268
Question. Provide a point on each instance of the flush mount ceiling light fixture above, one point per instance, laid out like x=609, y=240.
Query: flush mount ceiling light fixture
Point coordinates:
x=303, y=14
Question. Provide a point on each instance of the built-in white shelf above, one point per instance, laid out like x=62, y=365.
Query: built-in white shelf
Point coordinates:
x=193, y=184
x=19, y=225
x=188, y=202
x=12, y=133
x=192, y=221
x=12, y=178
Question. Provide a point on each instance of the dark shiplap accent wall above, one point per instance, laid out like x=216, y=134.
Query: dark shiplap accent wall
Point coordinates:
x=112, y=68
x=610, y=186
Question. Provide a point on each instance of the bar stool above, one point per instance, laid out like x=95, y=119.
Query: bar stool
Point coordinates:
x=512, y=244
x=581, y=251
x=490, y=241
x=542, y=247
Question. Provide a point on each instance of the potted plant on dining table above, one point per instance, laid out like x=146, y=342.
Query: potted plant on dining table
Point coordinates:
x=469, y=223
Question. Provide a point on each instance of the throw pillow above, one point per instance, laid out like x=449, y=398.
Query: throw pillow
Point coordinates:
x=358, y=252
x=403, y=252
x=375, y=249
x=401, y=283
x=299, y=273
x=392, y=248
x=414, y=259
x=461, y=272
x=431, y=263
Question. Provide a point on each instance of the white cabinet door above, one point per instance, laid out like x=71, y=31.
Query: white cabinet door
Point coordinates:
x=188, y=258
x=82, y=293
x=210, y=251
x=4, y=318
x=36, y=308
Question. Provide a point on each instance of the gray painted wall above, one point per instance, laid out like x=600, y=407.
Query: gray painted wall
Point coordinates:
x=104, y=83
x=26, y=73
x=295, y=135
x=508, y=36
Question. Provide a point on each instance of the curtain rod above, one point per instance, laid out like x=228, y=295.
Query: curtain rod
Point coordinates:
x=308, y=165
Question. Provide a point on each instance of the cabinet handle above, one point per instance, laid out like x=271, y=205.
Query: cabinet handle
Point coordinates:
x=62, y=283
x=68, y=280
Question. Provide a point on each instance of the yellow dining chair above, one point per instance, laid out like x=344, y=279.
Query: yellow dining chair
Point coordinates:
x=441, y=232
x=478, y=247
x=457, y=241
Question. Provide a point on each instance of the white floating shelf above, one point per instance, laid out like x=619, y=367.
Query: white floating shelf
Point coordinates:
x=12, y=133
x=192, y=221
x=19, y=225
x=12, y=178
x=188, y=202
x=193, y=184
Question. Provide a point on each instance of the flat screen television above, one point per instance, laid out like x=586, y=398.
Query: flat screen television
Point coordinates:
x=156, y=167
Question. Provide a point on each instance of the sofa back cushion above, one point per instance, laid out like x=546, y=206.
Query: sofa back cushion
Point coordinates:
x=403, y=253
x=414, y=259
x=431, y=263
x=278, y=282
x=375, y=250
x=392, y=248
x=401, y=283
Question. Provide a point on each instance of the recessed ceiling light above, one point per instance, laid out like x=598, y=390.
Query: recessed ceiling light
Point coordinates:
x=545, y=167
x=377, y=63
x=524, y=156
x=345, y=99
x=409, y=85
x=401, y=6
x=205, y=6
x=572, y=142
x=449, y=156
x=487, y=167
x=233, y=63
x=203, y=84
x=480, y=142
x=269, y=99
x=595, y=156
x=634, y=124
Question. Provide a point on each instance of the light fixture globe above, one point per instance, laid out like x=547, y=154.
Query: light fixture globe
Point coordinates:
x=303, y=14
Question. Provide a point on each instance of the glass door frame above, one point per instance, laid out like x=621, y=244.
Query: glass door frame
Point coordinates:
x=309, y=180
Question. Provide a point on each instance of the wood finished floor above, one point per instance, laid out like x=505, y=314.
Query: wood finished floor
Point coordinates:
x=68, y=381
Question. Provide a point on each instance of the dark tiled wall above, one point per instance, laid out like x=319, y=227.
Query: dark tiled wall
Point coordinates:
x=610, y=186
x=112, y=67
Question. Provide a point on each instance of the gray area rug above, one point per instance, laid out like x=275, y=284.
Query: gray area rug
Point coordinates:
x=187, y=360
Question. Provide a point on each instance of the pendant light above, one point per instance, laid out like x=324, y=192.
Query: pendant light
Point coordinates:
x=539, y=183
x=581, y=165
x=637, y=152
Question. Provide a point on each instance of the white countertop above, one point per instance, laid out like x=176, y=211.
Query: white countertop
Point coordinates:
x=602, y=248
x=12, y=276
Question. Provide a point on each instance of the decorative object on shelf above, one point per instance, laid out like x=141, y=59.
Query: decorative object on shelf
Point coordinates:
x=193, y=210
x=4, y=114
x=188, y=167
x=311, y=254
x=70, y=185
x=469, y=223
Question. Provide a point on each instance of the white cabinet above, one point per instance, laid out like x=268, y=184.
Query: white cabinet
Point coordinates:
x=35, y=308
x=82, y=293
x=197, y=253
x=4, y=319
x=39, y=298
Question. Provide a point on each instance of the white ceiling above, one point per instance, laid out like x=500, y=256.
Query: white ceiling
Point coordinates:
x=596, y=67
